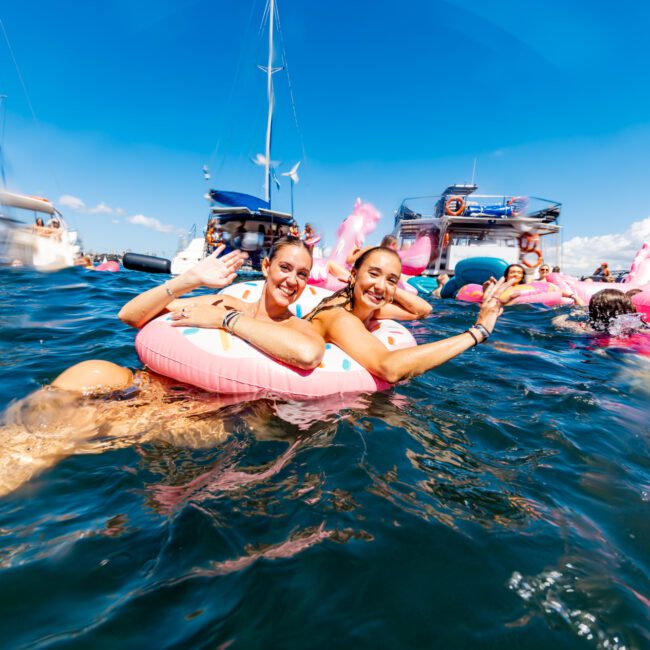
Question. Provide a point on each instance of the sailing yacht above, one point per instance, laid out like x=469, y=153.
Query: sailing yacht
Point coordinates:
x=240, y=220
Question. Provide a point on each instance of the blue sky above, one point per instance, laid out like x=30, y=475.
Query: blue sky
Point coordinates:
x=392, y=100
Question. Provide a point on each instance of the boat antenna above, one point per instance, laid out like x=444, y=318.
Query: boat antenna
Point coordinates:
x=474, y=170
x=270, y=70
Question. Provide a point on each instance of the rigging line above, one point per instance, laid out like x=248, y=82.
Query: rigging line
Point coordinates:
x=2, y=140
x=291, y=95
x=20, y=76
x=231, y=92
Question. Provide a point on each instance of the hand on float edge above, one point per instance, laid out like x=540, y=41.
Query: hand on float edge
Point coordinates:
x=215, y=271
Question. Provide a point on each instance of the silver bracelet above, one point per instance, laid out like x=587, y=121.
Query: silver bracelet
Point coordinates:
x=483, y=330
x=170, y=293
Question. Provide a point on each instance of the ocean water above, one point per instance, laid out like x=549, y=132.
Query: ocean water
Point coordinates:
x=499, y=501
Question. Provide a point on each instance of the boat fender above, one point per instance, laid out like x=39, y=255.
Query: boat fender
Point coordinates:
x=147, y=263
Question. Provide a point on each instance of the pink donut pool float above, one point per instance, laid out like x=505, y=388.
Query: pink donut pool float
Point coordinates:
x=219, y=362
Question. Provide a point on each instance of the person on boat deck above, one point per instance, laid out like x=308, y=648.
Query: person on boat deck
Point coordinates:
x=443, y=278
x=603, y=273
x=346, y=318
x=307, y=234
x=39, y=222
x=294, y=231
x=267, y=324
x=544, y=270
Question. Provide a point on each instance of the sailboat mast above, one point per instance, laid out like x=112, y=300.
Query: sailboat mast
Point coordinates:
x=269, y=121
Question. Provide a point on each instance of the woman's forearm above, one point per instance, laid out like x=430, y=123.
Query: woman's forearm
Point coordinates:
x=139, y=311
x=282, y=342
x=410, y=362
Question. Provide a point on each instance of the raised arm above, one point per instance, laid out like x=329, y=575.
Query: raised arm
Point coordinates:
x=349, y=333
x=211, y=272
x=293, y=341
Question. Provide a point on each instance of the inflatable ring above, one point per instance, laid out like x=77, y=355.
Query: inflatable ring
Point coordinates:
x=459, y=202
x=528, y=243
x=517, y=201
x=536, y=262
x=217, y=361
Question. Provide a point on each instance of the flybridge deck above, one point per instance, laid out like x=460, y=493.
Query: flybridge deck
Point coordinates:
x=463, y=224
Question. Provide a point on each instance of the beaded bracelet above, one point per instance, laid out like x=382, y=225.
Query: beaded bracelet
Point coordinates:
x=483, y=330
x=229, y=320
x=473, y=336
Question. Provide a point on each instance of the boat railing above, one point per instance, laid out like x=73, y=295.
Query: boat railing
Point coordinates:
x=477, y=205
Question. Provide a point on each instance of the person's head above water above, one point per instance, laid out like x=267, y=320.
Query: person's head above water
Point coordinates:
x=389, y=242
x=606, y=305
x=373, y=282
x=287, y=269
x=515, y=272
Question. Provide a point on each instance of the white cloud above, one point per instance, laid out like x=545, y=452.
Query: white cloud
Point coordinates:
x=101, y=208
x=581, y=255
x=72, y=202
x=150, y=222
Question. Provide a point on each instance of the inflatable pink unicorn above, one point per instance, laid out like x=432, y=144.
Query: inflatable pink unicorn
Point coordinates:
x=351, y=234
x=638, y=278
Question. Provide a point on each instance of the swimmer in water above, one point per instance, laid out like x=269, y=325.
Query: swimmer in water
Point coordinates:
x=76, y=413
x=515, y=274
x=605, y=309
x=346, y=317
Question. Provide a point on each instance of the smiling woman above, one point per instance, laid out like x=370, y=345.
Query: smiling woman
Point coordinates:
x=348, y=317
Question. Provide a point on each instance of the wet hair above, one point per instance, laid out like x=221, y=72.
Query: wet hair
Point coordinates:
x=607, y=305
x=388, y=241
x=288, y=240
x=555, y=269
x=347, y=291
x=512, y=266
x=633, y=292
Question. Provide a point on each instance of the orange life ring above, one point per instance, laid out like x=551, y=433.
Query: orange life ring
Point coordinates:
x=459, y=202
x=528, y=243
x=517, y=200
x=536, y=262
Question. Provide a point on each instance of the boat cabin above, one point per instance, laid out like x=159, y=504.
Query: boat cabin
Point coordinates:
x=462, y=225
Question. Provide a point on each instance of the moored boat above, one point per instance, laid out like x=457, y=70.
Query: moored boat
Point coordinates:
x=37, y=243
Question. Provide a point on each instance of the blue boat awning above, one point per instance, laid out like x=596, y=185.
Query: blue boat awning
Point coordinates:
x=239, y=200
